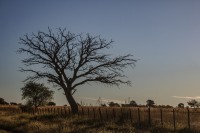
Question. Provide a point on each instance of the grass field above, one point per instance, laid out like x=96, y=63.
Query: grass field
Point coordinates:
x=12, y=121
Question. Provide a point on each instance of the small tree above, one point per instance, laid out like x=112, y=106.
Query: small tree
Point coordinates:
x=13, y=103
x=112, y=104
x=3, y=102
x=103, y=105
x=193, y=103
x=133, y=103
x=150, y=103
x=181, y=105
x=36, y=94
x=51, y=104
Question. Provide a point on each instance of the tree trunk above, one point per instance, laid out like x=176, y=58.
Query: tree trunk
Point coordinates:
x=72, y=102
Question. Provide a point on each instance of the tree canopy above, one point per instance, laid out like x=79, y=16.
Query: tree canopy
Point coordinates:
x=193, y=103
x=150, y=103
x=36, y=94
x=133, y=103
x=181, y=105
x=51, y=104
x=3, y=102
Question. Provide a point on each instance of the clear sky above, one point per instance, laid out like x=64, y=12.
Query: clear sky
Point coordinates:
x=164, y=35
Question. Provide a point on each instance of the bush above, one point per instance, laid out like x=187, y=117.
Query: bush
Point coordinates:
x=51, y=104
x=26, y=108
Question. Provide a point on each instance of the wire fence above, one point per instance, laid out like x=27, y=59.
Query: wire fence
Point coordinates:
x=175, y=118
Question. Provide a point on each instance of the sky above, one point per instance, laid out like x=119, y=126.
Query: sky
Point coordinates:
x=163, y=35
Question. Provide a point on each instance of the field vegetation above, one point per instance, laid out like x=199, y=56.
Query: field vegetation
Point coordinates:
x=59, y=119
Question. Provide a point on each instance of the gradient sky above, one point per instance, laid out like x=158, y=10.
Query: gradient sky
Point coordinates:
x=163, y=35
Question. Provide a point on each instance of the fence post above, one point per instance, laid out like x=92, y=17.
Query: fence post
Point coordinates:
x=61, y=111
x=65, y=111
x=82, y=111
x=139, y=116
x=130, y=115
x=69, y=110
x=48, y=110
x=161, y=117
x=149, y=116
x=174, y=120
x=122, y=115
x=58, y=111
x=88, y=110
x=36, y=111
x=33, y=109
x=100, y=113
x=106, y=114
x=113, y=113
x=94, y=113
x=188, y=118
x=79, y=111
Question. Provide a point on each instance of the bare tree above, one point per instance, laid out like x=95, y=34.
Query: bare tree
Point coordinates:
x=68, y=61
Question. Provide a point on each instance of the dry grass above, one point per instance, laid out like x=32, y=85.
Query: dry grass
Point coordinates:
x=50, y=123
x=108, y=120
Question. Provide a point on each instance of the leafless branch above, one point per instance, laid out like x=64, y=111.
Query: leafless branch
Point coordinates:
x=71, y=60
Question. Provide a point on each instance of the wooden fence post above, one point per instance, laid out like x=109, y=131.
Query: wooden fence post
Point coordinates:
x=48, y=110
x=139, y=116
x=82, y=111
x=57, y=110
x=94, y=113
x=114, y=113
x=161, y=117
x=36, y=111
x=130, y=115
x=88, y=110
x=149, y=116
x=54, y=111
x=188, y=118
x=122, y=115
x=79, y=111
x=174, y=120
x=106, y=114
x=61, y=111
x=100, y=114
x=33, y=111
x=51, y=110
x=65, y=111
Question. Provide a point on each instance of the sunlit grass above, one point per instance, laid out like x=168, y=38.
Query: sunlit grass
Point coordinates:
x=50, y=123
x=54, y=123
